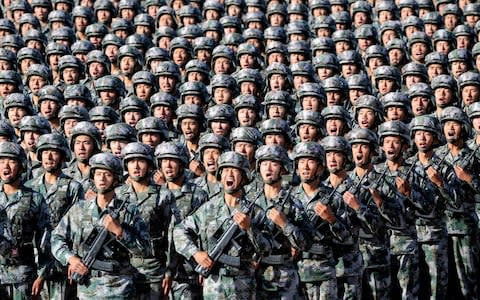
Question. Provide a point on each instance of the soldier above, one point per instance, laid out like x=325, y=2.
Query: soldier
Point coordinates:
x=432, y=230
x=50, y=100
x=220, y=119
x=163, y=106
x=154, y=203
x=16, y=107
x=402, y=183
x=316, y=267
x=70, y=116
x=60, y=193
x=84, y=143
x=172, y=160
x=309, y=126
x=444, y=90
x=469, y=88
x=102, y=116
x=190, y=123
x=211, y=146
x=462, y=222
x=133, y=109
x=374, y=244
x=288, y=225
x=21, y=275
x=127, y=234
x=232, y=275
x=151, y=131
x=117, y=136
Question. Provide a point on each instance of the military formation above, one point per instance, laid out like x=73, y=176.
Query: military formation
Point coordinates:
x=239, y=149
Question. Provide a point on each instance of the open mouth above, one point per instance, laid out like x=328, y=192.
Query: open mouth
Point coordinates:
x=229, y=183
x=451, y=133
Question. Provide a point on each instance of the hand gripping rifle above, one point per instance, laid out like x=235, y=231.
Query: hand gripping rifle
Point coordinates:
x=225, y=239
x=314, y=219
x=354, y=189
x=90, y=259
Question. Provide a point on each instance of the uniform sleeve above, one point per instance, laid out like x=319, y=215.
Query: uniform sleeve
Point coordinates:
x=298, y=228
x=62, y=236
x=43, y=228
x=186, y=233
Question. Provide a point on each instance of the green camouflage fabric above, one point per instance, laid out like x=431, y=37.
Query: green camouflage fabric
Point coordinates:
x=76, y=226
x=155, y=206
x=403, y=239
x=74, y=172
x=200, y=231
x=29, y=218
x=316, y=267
x=211, y=188
x=277, y=274
x=187, y=200
x=374, y=240
x=59, y=197
x=462, y=223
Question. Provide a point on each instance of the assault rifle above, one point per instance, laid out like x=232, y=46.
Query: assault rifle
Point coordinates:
x=354, y=189
x=464, y=163
x=98, y=239
x=225, y=239
x=314, y=219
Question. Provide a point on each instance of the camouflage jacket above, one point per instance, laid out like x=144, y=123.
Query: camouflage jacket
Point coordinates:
x=155, y=206
x=211, y=189
x=461, y=217
x=201, y=230
x=74, y=172
x=29, y=218
x=85, y=217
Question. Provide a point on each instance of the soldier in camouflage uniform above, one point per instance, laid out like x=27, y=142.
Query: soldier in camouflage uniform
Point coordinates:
x=401, y=182
x=326, y=213
x=432, y=229
x=211, y=146
x=232, y=276
x=349, y=267
x=21, y=275
x=60, y=193
x=473, y=112
x=31, y=127
x=373, y=244
x=154, y=203
x=127, y=235
x=462, y=221
x=172, y=161
x=287, y=223
x=84, y=143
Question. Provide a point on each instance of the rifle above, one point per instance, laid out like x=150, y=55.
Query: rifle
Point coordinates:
x=98, y=241
x=465, y=162
x=376, y=184
x=356, y=188
x=315, y=218
x=224, y=240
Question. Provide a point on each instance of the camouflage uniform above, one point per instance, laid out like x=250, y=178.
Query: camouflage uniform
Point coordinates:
x=155, y=208
x=233, y=274
x=28, y=214
x=84, y=218
x=316, y=267
x=403, y=238
x=278, y=276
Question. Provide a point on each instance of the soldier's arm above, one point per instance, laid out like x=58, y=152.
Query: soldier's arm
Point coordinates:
x=43, y=226
x=392, y=211
x=77, y=191
x=340, y=228
x=135, y=236
x=298, y=229
x=63, y=235
x=258, y=233
x=369, y=217
x=185, y=234
x=421, y=198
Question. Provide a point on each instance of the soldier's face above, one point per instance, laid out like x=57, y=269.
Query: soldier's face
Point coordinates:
x=275, y=139
x=308, y=169
x=170, y=168
x=277, y=82
x=30, y=140
x=476, y=124
x=51, y=160
x=9, y=169
x=366, y=118
x=434, y=70
x=68, y=126
x=443, y=96
x=143, y=91
x=15, y=115
x=151, y=139
x=210, y=158
x=6, y=89
x=221, y=128
x=248, y=88
x=308, y=133
x=361, y=154
x=231, y=179
x=71, y=75
x=335, y=161
x=166, y=83
x=104, y=180
x=470, y=94
x=386, y=86
x=334, y=126
x=311, y=103
x=137, y=169
x=127, y=65
x=396, y=113
x=458, y=68
x=395, y=56
x=270, y=171
x=132, y=117
x=246, y=149
x=83, y=148
x=276, y=111
x=334, y=98
x=190, y=128
x=420, y=105
x=116, y=146
x=35, y=83
x=222, y=95
x=424, y=140
x=392, y=146
x=49, y=109
x=221, y=65
x=163, y=112
x=96, y=70
x=452, y=131
x=246, y=116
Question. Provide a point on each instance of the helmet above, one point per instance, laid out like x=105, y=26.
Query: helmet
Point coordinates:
x=425, y=123
x=420, y=89
x=103, y=113
x=151, y=125
x=370, y=102
x=70, y=61
x=394, y=128
x=189, y=111
x=234, y=160
x=144, y=77
x=473, y=110
x=387, y=72
x=223, y=80
x=359, y=82
x=273, y=153
x=133, y=103
x=444, y=81
x=363, y=136
x=119, y=131
x=308, y=117
x=7, y=130
x=168, y=68
x=14, y=151
x=468, y=78
x=211, y=140
x=53, y=141
x=308, y=150
x=275, y=126
x=99, y=57
x=137, y=150
x=336, y=112
x=278, y=97
x=78, y=91
x=245, y=101
x=17, y=100
x=172, y=150
x=110, y=83
x=73, y=112
x=31, y=53
x=415, y=69
x=50, y=92
x=396, y=99
x=335, y=84
x=106, y=161
x=246, y=134
x=36, y=124
x=326, y=60
x=88, y=129
x=311, y=89
x=303, y=68
x=220, y=112
x=337, y=144
x=163, y=99
x=82, y=47
x=96, y=29
x=194, y=88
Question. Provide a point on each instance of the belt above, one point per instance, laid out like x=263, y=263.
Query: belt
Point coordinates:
x=233, y=261
x=232, y=272
x=276, y=259
x=317, y=249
